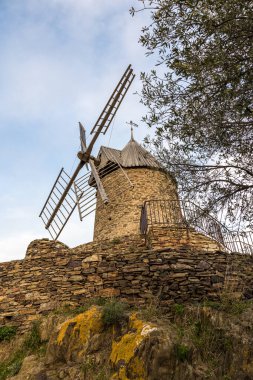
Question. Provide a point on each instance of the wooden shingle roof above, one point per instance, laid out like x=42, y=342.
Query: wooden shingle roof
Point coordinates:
x=132, y=155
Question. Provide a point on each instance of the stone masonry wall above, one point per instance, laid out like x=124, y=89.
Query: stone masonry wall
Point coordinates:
x=52, y=275
x=122, y=215
x=177, y=237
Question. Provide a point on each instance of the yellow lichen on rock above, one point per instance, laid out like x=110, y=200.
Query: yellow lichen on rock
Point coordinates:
x=136, y=369
x=124, y=351
x=85, y=324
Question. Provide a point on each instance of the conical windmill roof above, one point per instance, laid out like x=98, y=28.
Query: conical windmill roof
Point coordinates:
x=132, y=155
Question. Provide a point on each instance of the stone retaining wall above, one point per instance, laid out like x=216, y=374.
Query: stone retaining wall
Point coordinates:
x=53, y=275
x=177, y=237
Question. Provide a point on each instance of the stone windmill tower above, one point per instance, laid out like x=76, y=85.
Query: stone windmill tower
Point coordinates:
x=128, y=189
x=143, y=200
x=130, y=177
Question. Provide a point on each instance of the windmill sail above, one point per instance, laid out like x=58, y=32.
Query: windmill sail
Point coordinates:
x=66, y=209
x=85, y=196
x=114, y=102
x=99, y=184
x=82, y=137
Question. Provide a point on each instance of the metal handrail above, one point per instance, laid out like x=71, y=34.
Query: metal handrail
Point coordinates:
x=185, y=214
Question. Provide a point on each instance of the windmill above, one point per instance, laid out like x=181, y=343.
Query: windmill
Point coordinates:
x=69, y=192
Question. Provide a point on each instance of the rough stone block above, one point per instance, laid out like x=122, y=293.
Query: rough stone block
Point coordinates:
x=109, y=292
x=92, y=258
x=76, y=278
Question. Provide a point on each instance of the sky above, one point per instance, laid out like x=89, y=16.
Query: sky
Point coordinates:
x=59, y=63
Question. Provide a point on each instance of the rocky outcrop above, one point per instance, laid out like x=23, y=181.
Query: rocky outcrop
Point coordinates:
x=77, y=337
x=195, y=343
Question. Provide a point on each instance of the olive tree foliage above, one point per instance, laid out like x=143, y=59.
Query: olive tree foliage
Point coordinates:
x=199, y=99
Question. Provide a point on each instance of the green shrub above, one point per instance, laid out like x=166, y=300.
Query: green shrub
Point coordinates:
x=78, y=310
x=11, y=367
x=211, y=341
x=229, y=305
x=92, y=370
x=182, y=352
x=70, y=310
x=31, y=344
x=152, y=309
x=33, y=340
x=103, y=374
x=99, y=301
x=178, y=309
x=7, y=332
x=235, y=307
x=113, y=312
x=88, y=366
x=42, y=349
x=197, y=328
x=213, y=304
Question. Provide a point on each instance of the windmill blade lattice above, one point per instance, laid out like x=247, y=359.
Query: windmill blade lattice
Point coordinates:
x=123, y=181
x=85, y=195
x=114, y=102
x=66, y=208
x=87, y=190
x=99, y=184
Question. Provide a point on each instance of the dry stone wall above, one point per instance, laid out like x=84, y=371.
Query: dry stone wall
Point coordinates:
x=177, y=237
x=52, y=275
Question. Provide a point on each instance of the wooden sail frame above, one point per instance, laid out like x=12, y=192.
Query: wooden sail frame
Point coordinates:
x=66, y=209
